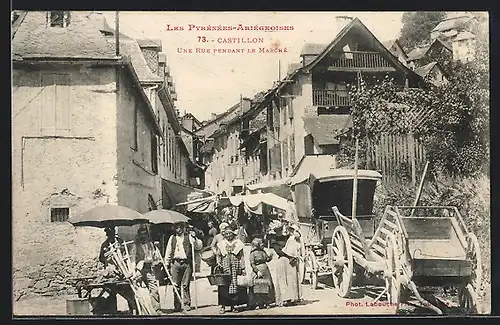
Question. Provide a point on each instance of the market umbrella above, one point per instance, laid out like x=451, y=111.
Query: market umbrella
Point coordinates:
x=108, y=216
x=165, y=216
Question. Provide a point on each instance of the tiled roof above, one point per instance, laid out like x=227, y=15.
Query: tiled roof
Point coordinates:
x=156, y=43
x=464, y=36
x=325, y=128
x=451, y=23
x=417, y=53
x=80, y=39
x=130, y=47
x=424, y=70
x=313, y=49
x=258, y=122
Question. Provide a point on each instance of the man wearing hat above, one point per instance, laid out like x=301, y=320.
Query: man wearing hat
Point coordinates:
x=144, y=259
x=179, y=259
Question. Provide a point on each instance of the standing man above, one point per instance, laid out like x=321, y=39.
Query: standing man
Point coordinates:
x=144, y=260
x=179, y=258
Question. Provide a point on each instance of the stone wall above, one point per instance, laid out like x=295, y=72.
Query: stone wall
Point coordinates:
x=51, y=279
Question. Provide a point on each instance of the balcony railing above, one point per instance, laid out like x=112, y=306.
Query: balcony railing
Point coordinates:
x=330, y=98
x=360, y=60
x=236, y=170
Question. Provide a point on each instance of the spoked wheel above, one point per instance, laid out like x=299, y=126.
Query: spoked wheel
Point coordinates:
x=468, y=295
x=393, y=270
x=343, y=264
x=311, y=266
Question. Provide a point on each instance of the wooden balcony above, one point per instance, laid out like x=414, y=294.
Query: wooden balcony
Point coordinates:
x=360, y=60
x=236, y=173
x=330, y=98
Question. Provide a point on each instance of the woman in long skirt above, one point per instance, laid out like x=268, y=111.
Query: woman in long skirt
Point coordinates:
x=287, y=269
x=258, y=262
x=231, y=257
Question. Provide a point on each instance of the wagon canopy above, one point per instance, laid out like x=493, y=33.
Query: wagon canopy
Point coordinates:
x=327, y=174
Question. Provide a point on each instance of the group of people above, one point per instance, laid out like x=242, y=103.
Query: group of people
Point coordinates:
x=147, y=263
x=227, y=243
x=285, y=239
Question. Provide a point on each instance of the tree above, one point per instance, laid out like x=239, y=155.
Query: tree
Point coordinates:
x=417, y=26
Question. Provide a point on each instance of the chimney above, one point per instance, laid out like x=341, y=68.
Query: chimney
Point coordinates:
x=246, y=104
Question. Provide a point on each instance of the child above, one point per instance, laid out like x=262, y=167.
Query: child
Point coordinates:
x=258, y=262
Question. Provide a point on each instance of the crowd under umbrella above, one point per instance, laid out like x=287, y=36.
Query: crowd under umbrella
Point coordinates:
x=110, y=216
x=163, y=216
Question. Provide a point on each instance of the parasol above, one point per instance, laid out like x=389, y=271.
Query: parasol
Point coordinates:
x=108, y=216
x=165, y=216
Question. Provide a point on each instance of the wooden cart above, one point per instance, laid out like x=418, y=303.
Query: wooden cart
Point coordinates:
x=317, y=197
x=413, y=248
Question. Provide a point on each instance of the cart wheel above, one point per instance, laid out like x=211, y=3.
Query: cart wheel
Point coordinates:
x=311, y=266
x=468, y=295
x=343, y=264
x=393, y=275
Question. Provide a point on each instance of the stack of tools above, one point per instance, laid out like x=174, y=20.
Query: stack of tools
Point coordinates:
x=121, y=260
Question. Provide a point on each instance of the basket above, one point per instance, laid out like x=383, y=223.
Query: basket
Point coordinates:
x=208, y=256
x=219, y=279
x=244, y=281
x=261, y=286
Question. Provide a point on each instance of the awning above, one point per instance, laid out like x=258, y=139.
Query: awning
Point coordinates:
x=174, y=193
x=326, y=128
x=254, y=202
x=278, y=187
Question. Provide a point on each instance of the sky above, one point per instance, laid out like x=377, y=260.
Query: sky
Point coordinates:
x=209, y=83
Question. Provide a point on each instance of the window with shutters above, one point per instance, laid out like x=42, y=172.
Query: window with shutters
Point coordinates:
x=284, y=108
x=290, y=110
x=164, y=143
x=56, y=103
x=292, y=150
x=285, y=153
x=154, y=153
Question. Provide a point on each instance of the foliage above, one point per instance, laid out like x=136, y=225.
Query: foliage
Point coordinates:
x=417, y=26
x=451, y=120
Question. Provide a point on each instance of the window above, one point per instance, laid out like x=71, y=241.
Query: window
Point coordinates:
x=154, y=153
x=56, y=102
x=59, y=214
x=135, y=128
x=164, y=142
x=58, y=18
x=292, y=150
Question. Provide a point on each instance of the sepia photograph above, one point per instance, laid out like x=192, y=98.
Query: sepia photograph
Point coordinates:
x=177, y=163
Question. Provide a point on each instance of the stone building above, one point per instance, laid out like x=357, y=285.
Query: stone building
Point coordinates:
x=294, y=125
x=89, y=128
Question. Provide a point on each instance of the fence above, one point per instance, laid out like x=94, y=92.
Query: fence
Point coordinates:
x=396, y=156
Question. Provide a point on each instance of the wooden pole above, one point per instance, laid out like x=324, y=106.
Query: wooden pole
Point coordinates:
x=117, y=33
x=420, y=187
x=355, y=181
x=194, y=277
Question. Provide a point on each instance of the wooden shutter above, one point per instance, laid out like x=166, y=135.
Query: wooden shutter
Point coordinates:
x=292, y=150
x=290, y=108
x=63, y=102
x=48, y=100
x=285, y=153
